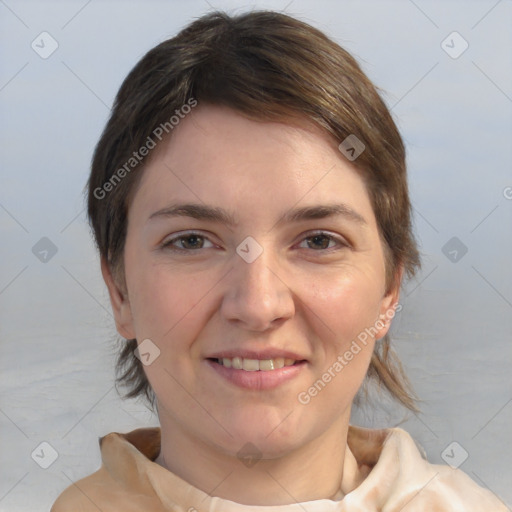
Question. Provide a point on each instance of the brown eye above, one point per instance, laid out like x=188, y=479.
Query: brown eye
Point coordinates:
x=322, y=242
x=319, y=242
x=187, y=242
x=191, y=242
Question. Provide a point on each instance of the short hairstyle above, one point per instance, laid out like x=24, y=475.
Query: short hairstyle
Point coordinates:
x=267, y=66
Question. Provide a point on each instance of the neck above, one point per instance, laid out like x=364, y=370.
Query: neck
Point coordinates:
x=312, y=471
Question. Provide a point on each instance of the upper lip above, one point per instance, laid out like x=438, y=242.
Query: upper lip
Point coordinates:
x=268, y=353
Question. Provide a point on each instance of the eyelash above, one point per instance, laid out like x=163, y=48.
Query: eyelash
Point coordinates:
x=168, y=244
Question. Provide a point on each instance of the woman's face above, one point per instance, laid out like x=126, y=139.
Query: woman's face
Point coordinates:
x=252, y=244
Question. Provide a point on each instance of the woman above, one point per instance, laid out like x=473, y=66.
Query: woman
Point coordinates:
x=249, y=201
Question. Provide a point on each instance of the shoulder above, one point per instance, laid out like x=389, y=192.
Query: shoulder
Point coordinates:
x=438, y=487
x=78, y=497
x=99, y=492
x=456, y=488
x=122, y=482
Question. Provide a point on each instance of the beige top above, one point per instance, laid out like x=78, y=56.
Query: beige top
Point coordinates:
x=383, y=471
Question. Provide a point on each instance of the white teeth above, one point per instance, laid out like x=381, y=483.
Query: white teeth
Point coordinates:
x=266, y=365
x=279, y=362
x=253, y=365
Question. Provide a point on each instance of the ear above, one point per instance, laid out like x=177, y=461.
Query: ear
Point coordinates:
x=120, y=303
x=389, y=305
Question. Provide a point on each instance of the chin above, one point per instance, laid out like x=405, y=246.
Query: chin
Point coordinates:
x=272, y=432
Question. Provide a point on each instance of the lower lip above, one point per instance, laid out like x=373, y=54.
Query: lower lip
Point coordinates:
x=258, y=380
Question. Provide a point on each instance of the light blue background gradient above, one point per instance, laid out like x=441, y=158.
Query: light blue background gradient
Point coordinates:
x=56, y=331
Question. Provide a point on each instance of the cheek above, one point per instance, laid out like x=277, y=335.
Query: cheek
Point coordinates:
x=164, y=301
x=348, y=308
x=170, y=309
x=347, y=304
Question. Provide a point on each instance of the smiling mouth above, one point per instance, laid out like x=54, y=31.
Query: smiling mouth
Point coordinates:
x=254, y=365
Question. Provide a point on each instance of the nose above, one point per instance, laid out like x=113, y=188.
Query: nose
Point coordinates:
x=256, y=296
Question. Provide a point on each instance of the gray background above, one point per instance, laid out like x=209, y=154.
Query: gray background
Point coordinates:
x=56, y=330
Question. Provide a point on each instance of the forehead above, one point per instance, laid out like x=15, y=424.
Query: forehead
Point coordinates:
x=220, y=135
x=217, y=155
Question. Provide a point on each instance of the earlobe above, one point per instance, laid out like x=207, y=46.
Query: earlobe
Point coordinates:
x=119, y=301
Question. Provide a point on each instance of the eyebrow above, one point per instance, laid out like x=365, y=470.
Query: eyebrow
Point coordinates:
x=221, y=216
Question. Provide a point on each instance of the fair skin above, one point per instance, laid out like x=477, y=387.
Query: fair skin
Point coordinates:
x=306, y=297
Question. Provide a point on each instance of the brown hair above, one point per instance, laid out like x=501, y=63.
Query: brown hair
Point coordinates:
x=267, y=66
